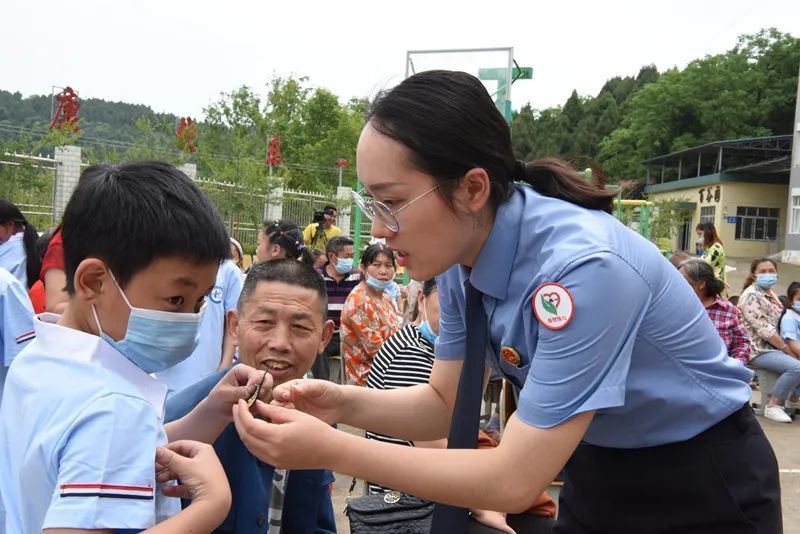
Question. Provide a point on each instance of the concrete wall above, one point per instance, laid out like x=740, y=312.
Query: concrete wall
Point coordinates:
x=733, y=195
x=793, y=240
x=758, y=196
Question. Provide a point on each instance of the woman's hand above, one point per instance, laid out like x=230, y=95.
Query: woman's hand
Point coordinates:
x=495, y=520
x=320, y=398
x=290, y=440
x=197, y=467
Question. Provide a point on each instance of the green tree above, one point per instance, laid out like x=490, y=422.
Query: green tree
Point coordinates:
x=747, y=91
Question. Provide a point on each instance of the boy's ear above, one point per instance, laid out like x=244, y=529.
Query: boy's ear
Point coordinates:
x=91, y=279
x=232, y=323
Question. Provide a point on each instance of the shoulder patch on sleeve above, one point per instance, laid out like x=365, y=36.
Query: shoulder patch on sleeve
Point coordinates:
x=553, y=305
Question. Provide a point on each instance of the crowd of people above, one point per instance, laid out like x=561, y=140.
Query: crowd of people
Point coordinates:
x=155, y=382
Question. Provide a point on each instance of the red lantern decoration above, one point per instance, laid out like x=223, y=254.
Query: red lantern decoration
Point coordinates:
x=66, y=114
x=274, y=151
x=187, y=134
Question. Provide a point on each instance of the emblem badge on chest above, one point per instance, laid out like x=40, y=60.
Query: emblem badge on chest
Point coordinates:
x=510, y=355
x=553, y=305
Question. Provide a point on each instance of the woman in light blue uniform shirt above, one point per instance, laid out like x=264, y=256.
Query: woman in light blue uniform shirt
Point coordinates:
x=18, y=245
x=624, y=381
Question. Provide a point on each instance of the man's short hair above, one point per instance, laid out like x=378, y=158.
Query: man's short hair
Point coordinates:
x=336, y=244
x=286, y=271
x=130, y=214
x=330, y=207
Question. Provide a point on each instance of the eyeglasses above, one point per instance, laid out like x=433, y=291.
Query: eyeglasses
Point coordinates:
x=377, y=210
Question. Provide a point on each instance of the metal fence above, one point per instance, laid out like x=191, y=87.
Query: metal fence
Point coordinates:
x=247, y=210
x=29, y=182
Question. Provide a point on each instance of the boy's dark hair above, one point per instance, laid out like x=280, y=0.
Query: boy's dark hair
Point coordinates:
x=330, y=207
x=336, y=244
x=9, y=212
x=128, y=215
x=286, y=271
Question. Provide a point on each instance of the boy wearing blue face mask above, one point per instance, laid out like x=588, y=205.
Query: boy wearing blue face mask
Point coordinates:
x=340, y=279
x=82, y=445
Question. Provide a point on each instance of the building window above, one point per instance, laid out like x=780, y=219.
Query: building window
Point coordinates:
x=795, y=225
x=757, y=224
x=707, y=214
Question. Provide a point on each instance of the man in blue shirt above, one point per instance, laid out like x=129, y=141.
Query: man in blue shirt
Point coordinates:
x=280, y=325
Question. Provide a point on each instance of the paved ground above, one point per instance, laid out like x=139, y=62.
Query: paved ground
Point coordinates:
x=785, y=438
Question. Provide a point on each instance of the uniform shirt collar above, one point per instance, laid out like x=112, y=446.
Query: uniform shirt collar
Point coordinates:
x=81, y=346
x=492, y=269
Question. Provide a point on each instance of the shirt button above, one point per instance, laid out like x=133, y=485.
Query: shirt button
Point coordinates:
x=262, y=519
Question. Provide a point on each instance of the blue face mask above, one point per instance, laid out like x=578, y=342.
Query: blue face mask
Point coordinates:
x=796, y=307
x=343, y=265
x=766, y=280
x=426, y=332
x=378, y=285
x=156, y=340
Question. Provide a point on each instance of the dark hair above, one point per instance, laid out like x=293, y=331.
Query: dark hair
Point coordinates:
x=698, y=270
x=428, y=287
x=288, y=236
x=330, y=207
x=43, y=242
x=9, y=212
x=372, y=252
x=710, y=235
x=128, y=215
x=450, y=125
x=791, y=292
x=287, y=271
x=336, y=244
x=753, y=265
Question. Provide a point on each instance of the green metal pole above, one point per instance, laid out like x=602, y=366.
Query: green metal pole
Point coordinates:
x=644, y=221
x=357, y=233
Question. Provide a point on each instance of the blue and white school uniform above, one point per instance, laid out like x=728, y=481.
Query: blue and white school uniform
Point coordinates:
x=206, y=358
x=586, y=315
x=79, y=427
x=13, y=258
x=16, y=321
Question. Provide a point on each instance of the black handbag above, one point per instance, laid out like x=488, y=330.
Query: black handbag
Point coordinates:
x=389, y=513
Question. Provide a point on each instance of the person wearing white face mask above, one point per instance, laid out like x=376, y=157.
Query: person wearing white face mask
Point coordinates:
x=81, y=421
x=340, y=280
x=761, y=312
x=368, y=316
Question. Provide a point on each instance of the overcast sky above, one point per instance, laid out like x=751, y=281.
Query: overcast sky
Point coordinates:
x=177, y=56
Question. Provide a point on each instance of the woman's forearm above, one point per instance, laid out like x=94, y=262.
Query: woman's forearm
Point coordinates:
x=460, y=476
x=418, y=413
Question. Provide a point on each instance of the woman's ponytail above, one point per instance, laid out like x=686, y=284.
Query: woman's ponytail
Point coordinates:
x=33, y=263
x=555, y=178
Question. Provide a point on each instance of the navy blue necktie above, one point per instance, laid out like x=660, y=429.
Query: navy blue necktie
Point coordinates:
x=466, y=413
